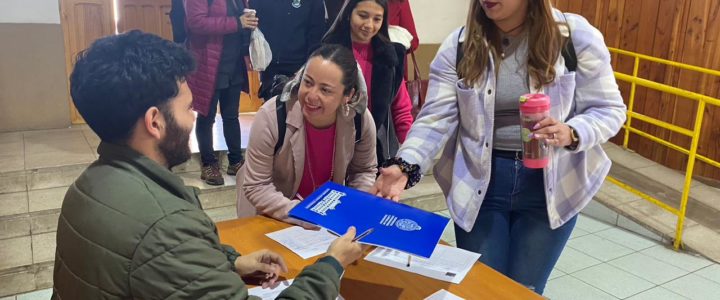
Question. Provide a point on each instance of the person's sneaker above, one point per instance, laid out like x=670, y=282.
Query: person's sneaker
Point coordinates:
x=211, y=174
x=235, y=168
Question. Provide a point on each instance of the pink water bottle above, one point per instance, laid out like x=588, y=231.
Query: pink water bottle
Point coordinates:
x=533, y=108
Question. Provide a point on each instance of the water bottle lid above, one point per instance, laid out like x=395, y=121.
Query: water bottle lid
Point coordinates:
x=534, y=103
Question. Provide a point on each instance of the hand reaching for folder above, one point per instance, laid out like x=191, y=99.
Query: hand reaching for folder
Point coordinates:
x=390, y=184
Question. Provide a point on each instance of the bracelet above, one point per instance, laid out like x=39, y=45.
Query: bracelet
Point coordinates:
x=411, y=170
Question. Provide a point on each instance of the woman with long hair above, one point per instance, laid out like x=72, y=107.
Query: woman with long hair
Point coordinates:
x=362, y=26
x=518, y=218
x=321, y=142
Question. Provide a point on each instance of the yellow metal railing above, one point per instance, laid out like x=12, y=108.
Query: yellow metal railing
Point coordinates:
x=703, y=101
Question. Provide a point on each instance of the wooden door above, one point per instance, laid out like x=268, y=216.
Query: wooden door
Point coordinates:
x=147, y=15
x=83, y=22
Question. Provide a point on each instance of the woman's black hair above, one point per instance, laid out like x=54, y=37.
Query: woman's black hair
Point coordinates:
x=340, y=32
x=344, y=59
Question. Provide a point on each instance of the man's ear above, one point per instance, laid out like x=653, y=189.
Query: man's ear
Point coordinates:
x=154, y=122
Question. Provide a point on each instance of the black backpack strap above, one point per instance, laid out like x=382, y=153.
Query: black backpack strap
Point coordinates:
x=460, y=51
x=568, y=52
x=358, y=127
x=281, y=117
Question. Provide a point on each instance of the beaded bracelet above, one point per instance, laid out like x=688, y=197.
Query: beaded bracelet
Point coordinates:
x=411, y=170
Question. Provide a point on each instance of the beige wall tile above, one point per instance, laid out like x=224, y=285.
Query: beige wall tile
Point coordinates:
x=15, y=283
x=15, y=252
x=44, y=276
x=43, y=247
x=57, y=159
x=54, y=177
x=222, y=213
x=44, y=222
x=220, y=198
x=13, y=204
x=15, y=226
x=12, y=163
x=12, y=182
x=40, y=200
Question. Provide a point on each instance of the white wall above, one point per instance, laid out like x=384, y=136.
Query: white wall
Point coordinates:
x=435, y=19
x=30, y=11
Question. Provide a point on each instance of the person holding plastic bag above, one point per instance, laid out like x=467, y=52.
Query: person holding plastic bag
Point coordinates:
x=293, y=29
x=218, y=36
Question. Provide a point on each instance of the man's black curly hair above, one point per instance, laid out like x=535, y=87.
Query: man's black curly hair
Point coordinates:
x=120, y=77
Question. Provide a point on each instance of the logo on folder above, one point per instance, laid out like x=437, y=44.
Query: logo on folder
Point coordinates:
x=329, y=202
x=402, y=224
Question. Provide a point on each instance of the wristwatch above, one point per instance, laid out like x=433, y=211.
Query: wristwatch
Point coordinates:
x=575, y=139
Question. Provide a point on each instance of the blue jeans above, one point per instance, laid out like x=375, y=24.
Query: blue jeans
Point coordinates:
x=512, y=230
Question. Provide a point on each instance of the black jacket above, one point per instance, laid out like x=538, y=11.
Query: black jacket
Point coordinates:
x=293, y=33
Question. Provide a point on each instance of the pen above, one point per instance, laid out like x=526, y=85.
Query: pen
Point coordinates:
x=357, y=238
x=364, y=234
x=409, y=257
x=297, y=195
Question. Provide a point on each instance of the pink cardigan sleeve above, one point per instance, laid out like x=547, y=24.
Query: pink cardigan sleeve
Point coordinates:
x=199, y=21
x=402, y=113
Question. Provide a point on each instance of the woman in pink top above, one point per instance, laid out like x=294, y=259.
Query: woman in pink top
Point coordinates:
x=363, y=26
x=320, y=143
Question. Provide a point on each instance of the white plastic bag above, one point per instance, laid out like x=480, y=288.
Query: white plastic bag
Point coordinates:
x=400, y=35
x=260, y=53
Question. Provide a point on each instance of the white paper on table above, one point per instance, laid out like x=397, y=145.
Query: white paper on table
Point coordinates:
x=446, y=263
x=272, y=293
x=443, y=295
x=304, y=243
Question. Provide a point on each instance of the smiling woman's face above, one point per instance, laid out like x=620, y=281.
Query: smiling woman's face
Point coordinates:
x=365, y=21
x=321, y=92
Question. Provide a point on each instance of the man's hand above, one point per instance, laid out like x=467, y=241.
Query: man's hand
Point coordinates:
x=344, y=250
x=263, y=264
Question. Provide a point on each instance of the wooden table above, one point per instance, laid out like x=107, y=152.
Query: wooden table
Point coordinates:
x=367, y=280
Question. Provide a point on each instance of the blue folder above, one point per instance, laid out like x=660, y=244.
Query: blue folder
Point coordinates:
x=395, y=225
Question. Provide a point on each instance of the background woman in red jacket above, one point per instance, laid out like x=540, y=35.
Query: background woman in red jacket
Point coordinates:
x=218, y=38
x=362, y=26
x=400, y=14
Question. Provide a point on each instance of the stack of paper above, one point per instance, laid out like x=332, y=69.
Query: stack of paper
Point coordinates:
x=272, y=293
x=446, y=263
x=303, y=242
